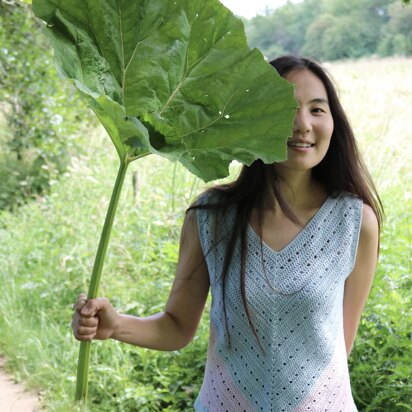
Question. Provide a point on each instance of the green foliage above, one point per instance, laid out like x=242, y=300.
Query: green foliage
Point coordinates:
x=315, y=33
x=381, y=358
x=333, y=30
x=173, y=78
x=44, y=267
x=261, y=33
x=41, y=117
x=350, y=37
x=380, y=361
x=397, y=38
x=284, y=30
x=46, y=276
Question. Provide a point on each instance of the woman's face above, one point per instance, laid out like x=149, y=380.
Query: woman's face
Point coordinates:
x=313, y=124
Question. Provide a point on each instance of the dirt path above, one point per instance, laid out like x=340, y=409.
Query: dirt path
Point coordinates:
x=14, y=397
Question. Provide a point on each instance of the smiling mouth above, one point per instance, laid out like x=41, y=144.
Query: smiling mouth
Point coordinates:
x=302, y=145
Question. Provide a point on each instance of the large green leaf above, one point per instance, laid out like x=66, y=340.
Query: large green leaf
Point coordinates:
x=173, y=77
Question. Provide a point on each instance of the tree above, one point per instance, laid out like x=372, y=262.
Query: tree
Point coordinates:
x=42, y=130
x=260, y=34
x=397, y=38
x=324, y=30
x=350, y=37
x=313, y=46
x=283, y=30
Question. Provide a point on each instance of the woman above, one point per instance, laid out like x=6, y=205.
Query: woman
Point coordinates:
x=289, y=251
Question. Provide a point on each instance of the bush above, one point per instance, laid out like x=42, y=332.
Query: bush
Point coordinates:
x=43, y=114
x=47, y=266
x=381, y=359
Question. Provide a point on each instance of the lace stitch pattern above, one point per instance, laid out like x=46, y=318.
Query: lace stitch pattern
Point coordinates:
x=298, y=316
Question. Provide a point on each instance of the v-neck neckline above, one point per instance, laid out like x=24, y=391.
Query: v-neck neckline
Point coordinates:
x=301, y=233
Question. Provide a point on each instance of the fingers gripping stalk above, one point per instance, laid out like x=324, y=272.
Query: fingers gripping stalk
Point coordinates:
x=93, y=319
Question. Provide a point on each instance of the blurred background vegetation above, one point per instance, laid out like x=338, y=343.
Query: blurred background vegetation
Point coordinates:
x=57, y=168
x=334, y=29
x=41, y=117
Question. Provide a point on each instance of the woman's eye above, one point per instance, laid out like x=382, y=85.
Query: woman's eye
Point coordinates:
x=318, y=110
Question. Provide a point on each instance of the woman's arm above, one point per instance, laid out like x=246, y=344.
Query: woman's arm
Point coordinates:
x=359, y=282
x=169, y=330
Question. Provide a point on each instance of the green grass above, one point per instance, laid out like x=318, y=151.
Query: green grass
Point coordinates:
x=47, y=249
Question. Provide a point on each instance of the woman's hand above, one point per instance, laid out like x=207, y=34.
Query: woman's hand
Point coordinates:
x=169, y=330
x=93, y=319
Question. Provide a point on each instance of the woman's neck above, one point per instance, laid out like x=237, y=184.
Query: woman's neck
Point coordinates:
x=300, y=189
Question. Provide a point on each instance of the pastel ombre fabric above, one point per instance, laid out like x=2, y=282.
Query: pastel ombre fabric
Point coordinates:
x=296, y=304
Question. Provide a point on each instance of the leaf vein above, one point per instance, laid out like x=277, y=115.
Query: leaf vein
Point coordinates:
x=142, y=40
x=119, y=13
x=216, y=120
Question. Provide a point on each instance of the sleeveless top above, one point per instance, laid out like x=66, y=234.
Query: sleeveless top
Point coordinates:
x=295, y=300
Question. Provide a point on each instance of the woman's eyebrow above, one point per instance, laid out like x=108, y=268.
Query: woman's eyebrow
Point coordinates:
x=319, y=100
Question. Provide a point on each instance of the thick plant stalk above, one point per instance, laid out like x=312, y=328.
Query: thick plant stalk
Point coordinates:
x=84, y=353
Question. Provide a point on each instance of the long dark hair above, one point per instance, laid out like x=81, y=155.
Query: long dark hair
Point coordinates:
x=341, y=170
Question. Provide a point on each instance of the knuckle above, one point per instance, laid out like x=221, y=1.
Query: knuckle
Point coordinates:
x=82, y=338
x=81, y=299
x=84, y=321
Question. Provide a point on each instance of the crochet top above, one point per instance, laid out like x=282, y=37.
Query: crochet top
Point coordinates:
x=295, y=301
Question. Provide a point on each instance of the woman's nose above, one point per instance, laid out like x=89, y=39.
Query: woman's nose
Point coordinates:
x=301, y=123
